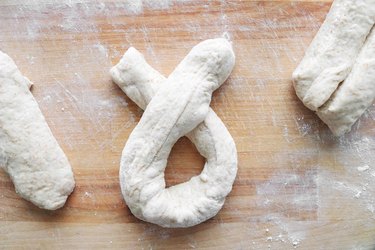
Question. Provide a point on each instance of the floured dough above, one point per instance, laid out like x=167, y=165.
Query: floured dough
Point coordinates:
x=177, y=106
x=355, y=94
x=29, y=153
x=329, y=61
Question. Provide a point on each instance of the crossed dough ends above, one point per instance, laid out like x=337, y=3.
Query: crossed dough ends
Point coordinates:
x=142, y=178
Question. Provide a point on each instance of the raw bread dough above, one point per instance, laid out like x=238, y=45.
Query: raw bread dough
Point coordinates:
x=355, y=94
x=177, y=106
x=329, y=59
x=29, y=153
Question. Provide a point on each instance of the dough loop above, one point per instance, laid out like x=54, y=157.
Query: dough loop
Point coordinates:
x=175, y=107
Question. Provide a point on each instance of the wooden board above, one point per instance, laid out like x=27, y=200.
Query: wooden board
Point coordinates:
x=297, y=186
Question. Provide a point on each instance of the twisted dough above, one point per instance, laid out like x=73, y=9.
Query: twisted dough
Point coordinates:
x=327, y=66
x=177, y=106
x=29, y=153
x=355, y=94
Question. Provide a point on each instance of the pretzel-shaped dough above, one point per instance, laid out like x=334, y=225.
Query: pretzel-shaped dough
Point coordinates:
x=178, y=106
x=29, y=153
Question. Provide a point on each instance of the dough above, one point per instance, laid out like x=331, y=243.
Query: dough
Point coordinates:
x=329, y=59
x=355, y=94
x=175, y=107
x=29, y=153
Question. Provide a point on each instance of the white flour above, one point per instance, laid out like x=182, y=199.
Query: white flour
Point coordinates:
x=341, y=171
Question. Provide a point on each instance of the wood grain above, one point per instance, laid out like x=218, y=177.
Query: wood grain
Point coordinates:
x=297, y=186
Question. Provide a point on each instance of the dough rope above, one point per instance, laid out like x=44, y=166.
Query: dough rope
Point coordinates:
x=177, y=106
x=331, y=59
x=29, y=153
x=355, y=94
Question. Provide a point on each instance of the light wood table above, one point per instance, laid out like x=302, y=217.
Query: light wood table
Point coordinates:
x=297, y=186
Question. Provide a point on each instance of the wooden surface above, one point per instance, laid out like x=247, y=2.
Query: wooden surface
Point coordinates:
x=297, y=186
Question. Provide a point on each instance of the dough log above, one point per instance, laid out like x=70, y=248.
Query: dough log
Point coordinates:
x=355, y=94
x=29, y=153
x=329, y=61
x=175, y=107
